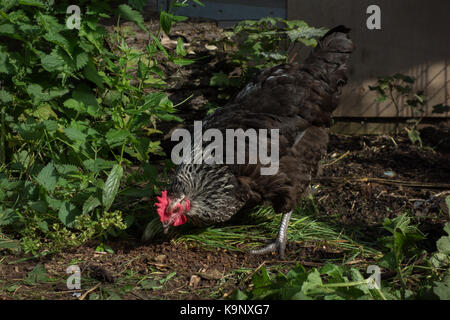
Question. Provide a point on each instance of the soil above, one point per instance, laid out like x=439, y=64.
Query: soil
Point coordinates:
x=200, y=273
x=364, y=180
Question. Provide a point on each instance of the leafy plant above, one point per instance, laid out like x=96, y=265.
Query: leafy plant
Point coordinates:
x=330, y=282
x=262, y=44
x=78, y=109
x=401, y=246
x=339, y=282
x=398, y=90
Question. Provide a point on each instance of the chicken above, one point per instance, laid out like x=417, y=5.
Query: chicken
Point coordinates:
x=297, y=100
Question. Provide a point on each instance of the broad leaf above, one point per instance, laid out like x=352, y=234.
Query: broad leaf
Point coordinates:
x=91, y=203
x=47, y=177
x=67, y=213
x=112, y=186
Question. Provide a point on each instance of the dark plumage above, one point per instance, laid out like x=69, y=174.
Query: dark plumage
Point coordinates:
x=296, y=99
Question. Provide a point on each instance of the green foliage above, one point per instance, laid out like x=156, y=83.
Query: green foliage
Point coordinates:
x=262, y=44
x=401, y=245
x=399, y=87
x=266, y=42
x=339, y=282
x=75, y=116
x=330, y=282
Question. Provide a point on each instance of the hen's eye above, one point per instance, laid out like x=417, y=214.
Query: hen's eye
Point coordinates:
x=178, y=209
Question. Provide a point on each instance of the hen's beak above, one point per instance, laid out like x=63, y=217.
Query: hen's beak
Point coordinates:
x=166, y=226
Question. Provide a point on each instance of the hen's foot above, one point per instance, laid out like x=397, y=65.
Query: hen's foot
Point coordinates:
x=276, y=246
x=279, y=245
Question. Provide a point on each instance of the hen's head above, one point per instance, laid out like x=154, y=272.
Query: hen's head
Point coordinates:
x=172, y=211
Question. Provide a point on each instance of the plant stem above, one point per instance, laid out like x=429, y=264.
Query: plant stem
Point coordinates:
x=402, y=282
x=2, y=139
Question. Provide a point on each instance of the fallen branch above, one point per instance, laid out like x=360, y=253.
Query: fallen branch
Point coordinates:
x=89, y=291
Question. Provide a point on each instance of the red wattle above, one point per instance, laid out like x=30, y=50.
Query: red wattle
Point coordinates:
x=180, y=220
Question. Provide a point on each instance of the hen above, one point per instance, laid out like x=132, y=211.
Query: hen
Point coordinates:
x=295, y=99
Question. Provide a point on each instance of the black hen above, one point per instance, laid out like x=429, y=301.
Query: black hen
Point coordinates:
x=295, y=99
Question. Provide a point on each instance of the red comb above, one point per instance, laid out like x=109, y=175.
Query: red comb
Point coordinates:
x=162, y=204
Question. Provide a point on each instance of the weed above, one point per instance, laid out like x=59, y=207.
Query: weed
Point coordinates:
x=73, y=121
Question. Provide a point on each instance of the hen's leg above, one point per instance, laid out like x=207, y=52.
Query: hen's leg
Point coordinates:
x=279, y=245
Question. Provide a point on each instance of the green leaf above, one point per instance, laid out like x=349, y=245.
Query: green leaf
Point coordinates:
x=66, y=168
x=116, y=137
x=35, y=91
x=84, y=96
x=138, y=4
x=128, y=13
x=81, y=60
x=67, y=213
x=9, y=244
x=7, y=216
x=33, y=3
x=8, y=29
x=95, y=165
x=313, y=282
x=414, y=136
x=443, y=245
x=43, y=225
x=75, y=135
x=219, y=79
x=166, y=21
x=53, y=203
x=182, y=61
x=442, y=289
x=91, y=203
x=142, y=70
x=91, y=73
x=149, y=284
x=44, y=112
x=40, y=206
x=112, y=186
x=199, y=3
x=74, y=104
x=181, y=51
x=37, y=275
x=51, y=62
x=59, y=40
x=5, y=96
x=440, y=108
x=47, y=177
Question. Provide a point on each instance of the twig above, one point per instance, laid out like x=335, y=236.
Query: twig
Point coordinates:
x=354, y=262
x=89, y=291
x=338, y=159
x=253, y=272
x=293, y=57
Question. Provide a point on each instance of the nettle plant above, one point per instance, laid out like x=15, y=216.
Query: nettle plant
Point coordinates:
x=72, y=122
x=398, y=90
x=262, y=44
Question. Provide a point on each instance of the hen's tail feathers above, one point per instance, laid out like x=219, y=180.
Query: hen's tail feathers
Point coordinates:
x=327, y=65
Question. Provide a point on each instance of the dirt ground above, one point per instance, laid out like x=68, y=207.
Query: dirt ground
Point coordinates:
x=168, y=269
x=364, y=180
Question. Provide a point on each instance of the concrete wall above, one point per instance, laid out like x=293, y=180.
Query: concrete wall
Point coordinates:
x=414, y=39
